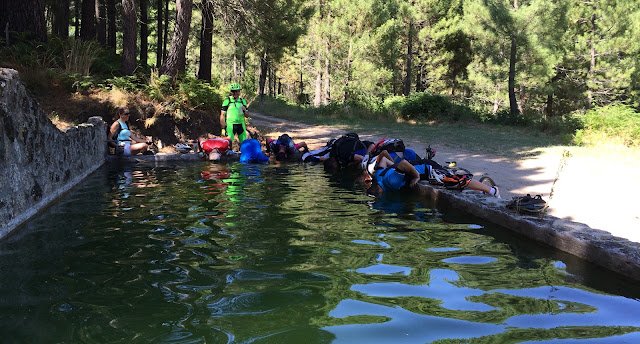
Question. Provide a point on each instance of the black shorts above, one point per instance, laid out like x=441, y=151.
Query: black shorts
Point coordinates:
x=238, y=129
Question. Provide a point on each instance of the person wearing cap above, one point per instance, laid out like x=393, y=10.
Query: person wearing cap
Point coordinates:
x=123, y=138
x=233, y=113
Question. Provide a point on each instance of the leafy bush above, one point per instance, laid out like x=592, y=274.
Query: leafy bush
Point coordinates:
x=426, y=106
x=128, y=83
x=196, y=93
x=614, y=123
x=159, y=86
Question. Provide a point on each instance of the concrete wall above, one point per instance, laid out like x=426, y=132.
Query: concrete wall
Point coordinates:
x=39, y=162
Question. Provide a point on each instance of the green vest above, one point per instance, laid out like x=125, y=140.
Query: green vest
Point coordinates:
x=234, y=109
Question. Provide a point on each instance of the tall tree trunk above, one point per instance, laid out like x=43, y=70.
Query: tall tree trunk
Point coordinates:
x=317, y=99
x=407, y=81
x=176, y=55
x=88, y=24
x=111, y=25
x=101, y=22
x=513, y=104
x=24, y=16
x=592, y=61
x=301, y=92
x=159, y=46
x=419, y=78
x=165, y=31
x=76, y=9
x=263, y=74
x=347, y=78
x=552, y=84
x=206, y=42
x=129, y=39
x=60, y=18
x=243, y=64
x=144, y=33
x=326, y=89
x=270, y=80
x=235, y=59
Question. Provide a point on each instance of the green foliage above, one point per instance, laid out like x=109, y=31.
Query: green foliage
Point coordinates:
x=196, y=93
x=127, y=83
x=615, y=123
x=79, y=55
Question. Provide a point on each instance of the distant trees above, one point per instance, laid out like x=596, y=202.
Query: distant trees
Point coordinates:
x=506, y=57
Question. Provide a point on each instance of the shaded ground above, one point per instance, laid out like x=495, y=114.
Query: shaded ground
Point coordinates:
x=594, y=188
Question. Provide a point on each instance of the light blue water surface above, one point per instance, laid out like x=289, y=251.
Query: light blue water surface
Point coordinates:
x=207, y=253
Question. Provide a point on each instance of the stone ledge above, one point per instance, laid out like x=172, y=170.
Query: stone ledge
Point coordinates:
x=594, y=245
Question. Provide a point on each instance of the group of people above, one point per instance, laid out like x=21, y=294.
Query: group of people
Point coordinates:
x=385, y=166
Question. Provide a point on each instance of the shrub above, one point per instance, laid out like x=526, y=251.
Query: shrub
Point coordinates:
x=426, y=106
x=614, y=123
x=196, y=93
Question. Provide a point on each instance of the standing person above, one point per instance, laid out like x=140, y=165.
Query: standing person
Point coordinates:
x=232, y=116
x=119, y=132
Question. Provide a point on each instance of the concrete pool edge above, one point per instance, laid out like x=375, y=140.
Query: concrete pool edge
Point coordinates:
x=594, y=245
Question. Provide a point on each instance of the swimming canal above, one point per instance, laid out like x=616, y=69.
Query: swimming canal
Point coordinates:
x=206, y=253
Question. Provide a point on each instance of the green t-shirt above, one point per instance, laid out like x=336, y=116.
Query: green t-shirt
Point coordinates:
x=234, y=109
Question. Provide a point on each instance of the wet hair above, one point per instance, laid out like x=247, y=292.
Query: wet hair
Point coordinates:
x=331, y=165
x=281, y=156
x=375, y=190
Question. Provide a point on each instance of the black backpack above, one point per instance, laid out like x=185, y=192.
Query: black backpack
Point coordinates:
x=343, y=148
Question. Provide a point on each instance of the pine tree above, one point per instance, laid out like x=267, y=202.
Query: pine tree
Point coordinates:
x=26, y=16
x=129, y=39
x=176, y=54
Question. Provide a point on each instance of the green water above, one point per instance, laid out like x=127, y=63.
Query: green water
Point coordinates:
x=208, y=253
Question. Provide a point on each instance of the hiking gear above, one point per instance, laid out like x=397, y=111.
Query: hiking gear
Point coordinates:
x=495, y=192
x=233, y=109
x=183, y=148
x=344, y=148
x=235, y=87
x=390, y=145
x=527, y=204
x=251, y=152
x=430, y=152
x=365, y=162
x=453, y=180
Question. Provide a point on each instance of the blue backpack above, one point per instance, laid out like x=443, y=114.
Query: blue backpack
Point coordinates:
x=251, y=153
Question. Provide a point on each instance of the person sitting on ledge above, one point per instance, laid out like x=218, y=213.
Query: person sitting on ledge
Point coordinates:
x=124, y=138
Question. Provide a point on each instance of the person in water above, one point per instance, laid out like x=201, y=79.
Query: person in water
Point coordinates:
x=215, y=148
x=381, y=174
x=284, y=148
x=124, y=138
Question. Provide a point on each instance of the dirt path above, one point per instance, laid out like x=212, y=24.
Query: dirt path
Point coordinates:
x=597, y=189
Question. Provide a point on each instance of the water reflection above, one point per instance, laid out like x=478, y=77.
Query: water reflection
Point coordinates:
x=260, y=254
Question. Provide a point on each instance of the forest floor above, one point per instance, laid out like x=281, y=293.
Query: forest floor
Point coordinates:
x=597, y=187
